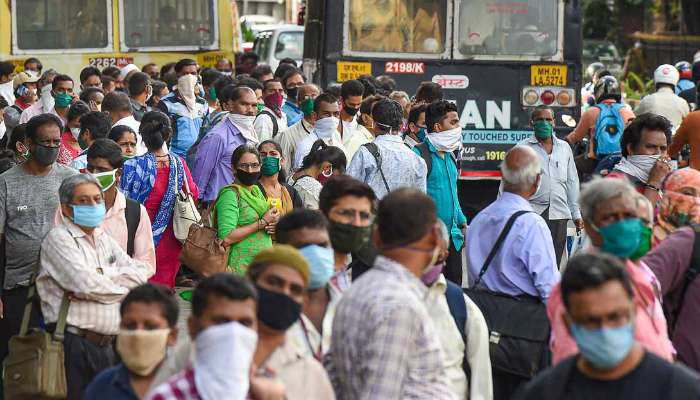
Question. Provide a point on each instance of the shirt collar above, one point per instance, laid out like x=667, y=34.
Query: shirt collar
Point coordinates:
x=119, y=204
x=286, y=354
x=292, y=105
x=517, y=199
x=389, y=138
x=394, y=268
x=440, y=285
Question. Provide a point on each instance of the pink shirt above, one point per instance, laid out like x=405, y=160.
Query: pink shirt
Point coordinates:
x=114, y=225
x=36, y=109
x=650, y=324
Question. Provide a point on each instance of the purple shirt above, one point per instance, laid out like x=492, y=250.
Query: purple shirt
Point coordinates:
x=525, y=263
x=212, y=164
x=669, y=261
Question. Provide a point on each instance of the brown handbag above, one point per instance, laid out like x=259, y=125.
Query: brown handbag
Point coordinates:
x=203, y=252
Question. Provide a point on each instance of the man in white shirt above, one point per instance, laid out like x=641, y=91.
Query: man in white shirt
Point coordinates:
x=93, y=125
x=351, y=93
x=664, y=101
x=118, y=106
x=290, y=138
x=82, y=264
x=271, y=120
x=326, y=116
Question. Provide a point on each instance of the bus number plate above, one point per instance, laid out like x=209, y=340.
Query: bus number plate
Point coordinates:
x=548, y=75
x=102, y=62
x=395, y=67
x=352, y=70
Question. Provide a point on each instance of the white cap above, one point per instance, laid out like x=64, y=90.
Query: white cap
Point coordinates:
x=696, y=57
x=126, y=69
x=666, y=73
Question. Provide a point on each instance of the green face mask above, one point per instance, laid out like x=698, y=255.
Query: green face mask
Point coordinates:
x=82, y=143
x=347, y=238
x=543, y=129
x=212, y=93
x=270, y=166
x=644, y=244
x=63, y=100
x=622, y=238
x=260, y=107
x=307, y=106
x=126, y=158
x=106, y=179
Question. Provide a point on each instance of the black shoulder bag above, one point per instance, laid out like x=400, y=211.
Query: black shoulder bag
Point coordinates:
x=518, y=325
x=374, y=151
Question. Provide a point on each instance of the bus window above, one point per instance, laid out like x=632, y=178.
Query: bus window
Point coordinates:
x=62, y=24
x=172, y=24
x=508, y=28
x=396, y=26
x=290, y=45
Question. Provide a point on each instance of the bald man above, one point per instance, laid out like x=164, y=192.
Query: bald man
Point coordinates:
x=525, y=263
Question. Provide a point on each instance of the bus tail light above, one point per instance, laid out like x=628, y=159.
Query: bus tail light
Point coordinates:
x=555, y=96
x=547, y=97
x=563, y=98
x=530, y=98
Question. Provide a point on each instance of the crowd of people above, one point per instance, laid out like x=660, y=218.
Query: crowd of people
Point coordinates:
x=350, y=269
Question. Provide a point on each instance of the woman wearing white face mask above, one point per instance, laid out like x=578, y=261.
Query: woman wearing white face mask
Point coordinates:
x=70, y=145
x=444, y=137
x=320, y=164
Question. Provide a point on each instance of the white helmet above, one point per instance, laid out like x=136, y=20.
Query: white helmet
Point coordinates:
x=667, y=74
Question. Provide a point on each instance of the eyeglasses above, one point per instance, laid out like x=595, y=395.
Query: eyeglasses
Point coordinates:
x=248, y=167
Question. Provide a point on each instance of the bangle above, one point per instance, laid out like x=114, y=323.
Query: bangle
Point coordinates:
x=652, y=187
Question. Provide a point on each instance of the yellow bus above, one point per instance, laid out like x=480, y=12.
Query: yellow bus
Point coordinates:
x=67, y=35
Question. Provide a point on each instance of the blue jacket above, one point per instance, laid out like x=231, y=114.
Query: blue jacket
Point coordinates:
x=111, y=384
x=185, y=123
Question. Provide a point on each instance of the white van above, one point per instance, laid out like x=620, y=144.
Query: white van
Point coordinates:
x=283, y=41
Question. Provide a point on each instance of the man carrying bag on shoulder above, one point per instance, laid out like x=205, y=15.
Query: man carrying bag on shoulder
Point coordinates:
x=512, y=268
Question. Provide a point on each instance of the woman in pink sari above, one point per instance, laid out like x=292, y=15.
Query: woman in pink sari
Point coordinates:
x=154, y=179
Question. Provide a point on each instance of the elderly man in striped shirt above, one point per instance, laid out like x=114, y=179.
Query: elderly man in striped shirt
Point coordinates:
x=80, y=261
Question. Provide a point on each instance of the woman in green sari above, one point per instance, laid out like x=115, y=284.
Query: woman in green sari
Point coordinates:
x=244, y=220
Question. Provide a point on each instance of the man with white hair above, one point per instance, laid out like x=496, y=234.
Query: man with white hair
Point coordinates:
x=510, y=248
x=526, y=262
x=84, y=271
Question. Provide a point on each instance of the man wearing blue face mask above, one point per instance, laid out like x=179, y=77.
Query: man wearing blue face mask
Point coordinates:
x=307, y=230
x=82, y=264
x=600, y=314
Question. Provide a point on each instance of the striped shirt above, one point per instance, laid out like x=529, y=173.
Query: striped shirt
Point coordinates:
x=384, y=344
x=95, y=270
x=179, y=387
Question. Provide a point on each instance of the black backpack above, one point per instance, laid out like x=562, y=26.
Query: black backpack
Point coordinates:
x=273, y=118
x=425, y=155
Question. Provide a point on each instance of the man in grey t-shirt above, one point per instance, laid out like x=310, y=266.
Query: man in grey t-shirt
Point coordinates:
x=28, y=204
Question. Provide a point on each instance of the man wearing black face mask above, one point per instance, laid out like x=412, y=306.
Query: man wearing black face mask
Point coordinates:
x=29, y=198
x=383, y=316
x=291, y=82
x=281, y=276
x=351, y=95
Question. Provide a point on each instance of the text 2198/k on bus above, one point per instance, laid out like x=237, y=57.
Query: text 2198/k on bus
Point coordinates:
x=496, y=59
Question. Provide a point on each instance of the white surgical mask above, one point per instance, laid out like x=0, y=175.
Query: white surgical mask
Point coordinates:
x=449, y=140
x=3, y=129
x=325, y=127
x=223, y=354
x=47, y=100
x=75, y=132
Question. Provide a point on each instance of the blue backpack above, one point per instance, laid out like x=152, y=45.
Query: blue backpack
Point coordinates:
x=608, y=129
